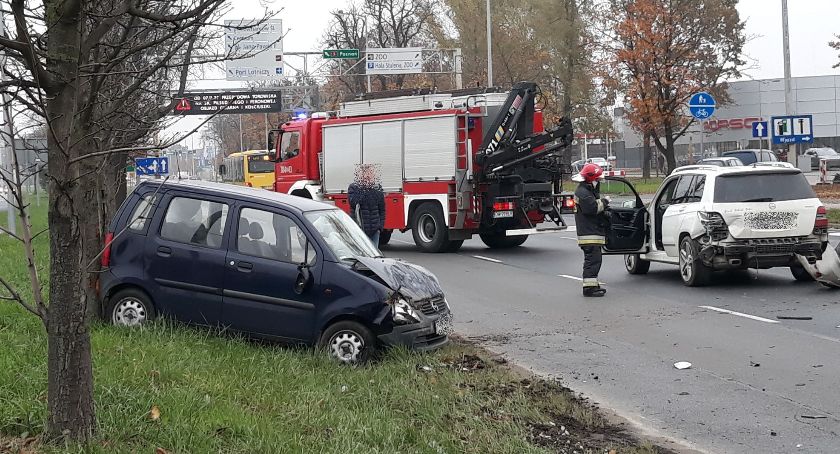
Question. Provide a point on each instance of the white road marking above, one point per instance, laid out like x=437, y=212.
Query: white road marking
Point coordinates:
x=834, y=234
x=570, y=277
x=568, y=238
x=739, y=314
x=488, y=259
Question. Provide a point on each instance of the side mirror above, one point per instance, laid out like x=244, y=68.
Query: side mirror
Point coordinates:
x=303, y=280
x=270, y=144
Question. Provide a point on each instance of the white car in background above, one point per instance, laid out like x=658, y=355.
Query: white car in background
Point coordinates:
x=708, y=218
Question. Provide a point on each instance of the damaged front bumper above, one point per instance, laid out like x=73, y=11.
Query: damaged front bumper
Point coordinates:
x=428, y=334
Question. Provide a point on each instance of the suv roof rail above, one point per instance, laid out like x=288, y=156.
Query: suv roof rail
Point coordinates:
x=696, y=167
x=784, y=165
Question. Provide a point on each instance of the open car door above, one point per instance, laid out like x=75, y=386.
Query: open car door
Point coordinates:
x=628, y=218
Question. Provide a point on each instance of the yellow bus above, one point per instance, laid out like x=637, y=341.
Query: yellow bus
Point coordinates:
x=252, y=168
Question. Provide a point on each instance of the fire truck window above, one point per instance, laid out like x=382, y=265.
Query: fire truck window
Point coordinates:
x=289, y=145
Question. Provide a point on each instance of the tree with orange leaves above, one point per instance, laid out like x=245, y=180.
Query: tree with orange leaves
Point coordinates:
x=661, y=52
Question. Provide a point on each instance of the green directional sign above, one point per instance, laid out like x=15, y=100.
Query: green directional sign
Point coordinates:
x=341, y=53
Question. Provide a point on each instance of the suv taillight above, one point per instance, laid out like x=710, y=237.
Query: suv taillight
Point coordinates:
x=106, y=253
x=714, y=224
x=821, y=222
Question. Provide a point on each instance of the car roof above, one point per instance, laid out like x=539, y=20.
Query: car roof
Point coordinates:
x=716, y=170
x=243, y=193
x=749, y=150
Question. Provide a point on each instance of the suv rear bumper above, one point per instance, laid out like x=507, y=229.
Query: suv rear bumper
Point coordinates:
x=761, y=253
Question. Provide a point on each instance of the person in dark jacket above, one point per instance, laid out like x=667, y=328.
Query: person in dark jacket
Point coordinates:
x=591, y=225
x=367, y=201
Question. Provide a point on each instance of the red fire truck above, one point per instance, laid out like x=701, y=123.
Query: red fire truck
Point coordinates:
x=451, y=166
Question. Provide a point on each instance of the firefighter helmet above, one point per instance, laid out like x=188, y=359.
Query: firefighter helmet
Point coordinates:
x=589, y=173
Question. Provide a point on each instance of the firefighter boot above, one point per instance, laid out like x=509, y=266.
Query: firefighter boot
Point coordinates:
x=595, y=292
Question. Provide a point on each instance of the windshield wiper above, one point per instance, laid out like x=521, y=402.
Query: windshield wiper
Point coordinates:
x=759, y=199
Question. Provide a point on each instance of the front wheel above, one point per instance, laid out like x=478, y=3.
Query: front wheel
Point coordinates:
x=501, y=241
x=130, y=307
x=636, y=265
x=692, y=270
x=348, y=342
x=801, y=274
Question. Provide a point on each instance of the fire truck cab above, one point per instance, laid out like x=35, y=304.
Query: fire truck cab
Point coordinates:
x=451, y=166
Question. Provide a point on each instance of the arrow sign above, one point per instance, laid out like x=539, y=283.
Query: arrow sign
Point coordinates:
x=759, y=129
x=792, y=129
x=151, y=166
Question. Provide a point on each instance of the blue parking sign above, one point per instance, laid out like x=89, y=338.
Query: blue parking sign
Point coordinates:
x=702, y=105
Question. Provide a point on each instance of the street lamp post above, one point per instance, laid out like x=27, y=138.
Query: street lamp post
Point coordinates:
x=489, y=48
x=789, y=107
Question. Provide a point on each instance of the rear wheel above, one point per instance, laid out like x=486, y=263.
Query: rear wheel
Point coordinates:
x=801, y=274
x=501, y=241
x=130, y=307
x=348, y=342
x=429, y=229
x=454, y=245
x=692, y=270
x=636, y=265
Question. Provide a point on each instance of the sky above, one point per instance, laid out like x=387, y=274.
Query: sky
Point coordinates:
x=813, y=24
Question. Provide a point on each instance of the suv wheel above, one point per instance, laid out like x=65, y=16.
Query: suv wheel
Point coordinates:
x=636, y=265
x=692, y=270
x=801, y=274
x=349, y=342
x=130, y=307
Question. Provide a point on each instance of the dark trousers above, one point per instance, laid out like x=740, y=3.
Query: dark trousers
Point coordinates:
x=591, y=265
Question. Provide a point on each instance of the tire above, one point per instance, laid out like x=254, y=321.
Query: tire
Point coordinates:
x=692, y=270
x=348, y=342
x=454, y=245
x=500, y=241
x=130, y=307
x=385, y=237
x=429, y=228
x=636, y=265
x=801, y=274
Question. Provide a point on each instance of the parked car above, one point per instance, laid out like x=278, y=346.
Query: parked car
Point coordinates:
x=818, y=154
x=749, y=157
x=603, y=163
x=706, y=218
x=266, y=264
x=725, y=161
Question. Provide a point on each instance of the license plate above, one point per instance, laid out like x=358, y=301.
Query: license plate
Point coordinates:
x=443, y=325
x=502, y=214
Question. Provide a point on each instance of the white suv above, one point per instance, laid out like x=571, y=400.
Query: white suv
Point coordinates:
x=707, y=218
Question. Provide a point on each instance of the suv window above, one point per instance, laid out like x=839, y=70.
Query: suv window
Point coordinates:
x=272, y=236
x=766, y=156
x=141, y=214
x=194, y=221
x=695, y=194
x=683, y=189
x=762, y=187
x=668, y=194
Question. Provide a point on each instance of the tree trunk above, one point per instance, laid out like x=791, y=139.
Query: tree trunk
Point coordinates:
x=646, y=156
x=69, y=369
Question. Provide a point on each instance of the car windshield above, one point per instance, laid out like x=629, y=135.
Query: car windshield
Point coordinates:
x=762, y=187
x=343, y=236
x=747, y=157
x=260, y=164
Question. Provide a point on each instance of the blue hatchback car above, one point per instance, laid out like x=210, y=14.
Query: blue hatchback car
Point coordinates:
x=266, y=264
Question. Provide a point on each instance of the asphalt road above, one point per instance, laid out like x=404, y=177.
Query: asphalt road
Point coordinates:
x=755, y=379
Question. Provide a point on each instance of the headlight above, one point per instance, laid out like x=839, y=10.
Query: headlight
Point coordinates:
x=404, y=313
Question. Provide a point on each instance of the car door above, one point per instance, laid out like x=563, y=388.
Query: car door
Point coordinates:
x=263, y=261
x=676, y=211
x=185, y=258
x=628, y=218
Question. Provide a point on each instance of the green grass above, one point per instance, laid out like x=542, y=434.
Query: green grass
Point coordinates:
x=219, y=393
x=834, y=216
x=646, y=185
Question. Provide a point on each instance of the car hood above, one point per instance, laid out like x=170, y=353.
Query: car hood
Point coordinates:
x=413, y=282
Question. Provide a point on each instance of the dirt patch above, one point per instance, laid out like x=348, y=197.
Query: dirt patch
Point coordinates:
x=827, y=192
x=465, y=363
x=26, y=445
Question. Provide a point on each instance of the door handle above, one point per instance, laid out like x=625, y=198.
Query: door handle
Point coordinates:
x=245, y=267
x=164, y=251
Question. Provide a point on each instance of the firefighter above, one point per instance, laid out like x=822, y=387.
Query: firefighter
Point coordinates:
x=591, y=225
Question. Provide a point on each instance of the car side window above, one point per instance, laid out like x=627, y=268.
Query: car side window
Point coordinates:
x=697, y=188
x=683, y=190
x=195, y=221
x=289, y=145
x=272, y=236
x=668, y=194
x=142, y=213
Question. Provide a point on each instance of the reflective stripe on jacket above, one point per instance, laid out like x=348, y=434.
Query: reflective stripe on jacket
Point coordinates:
x=589, y=210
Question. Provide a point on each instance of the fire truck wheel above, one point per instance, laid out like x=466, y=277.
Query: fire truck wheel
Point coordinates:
x=454, y=245
x=429, y=229
x=500, y=241
x=385, y=237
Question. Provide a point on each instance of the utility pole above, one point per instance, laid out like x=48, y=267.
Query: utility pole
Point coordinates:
x=489, y=48
x=790, y=109
x=8, y=137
